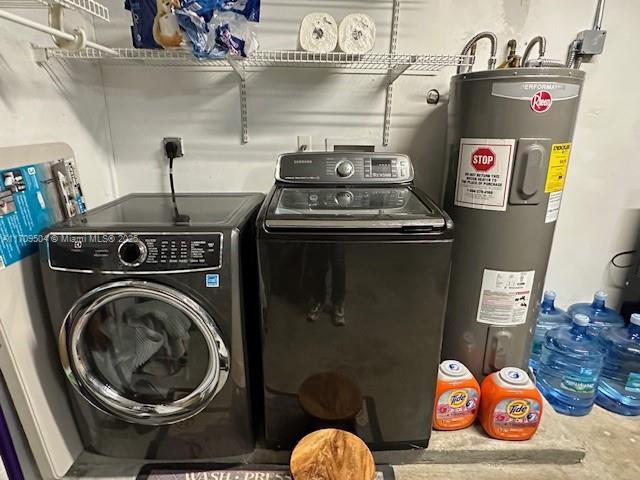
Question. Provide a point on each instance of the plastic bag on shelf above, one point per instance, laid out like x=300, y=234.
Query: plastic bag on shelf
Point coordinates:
x=225, y=33
x=154, y=23
x=250, y=9
x=233, y=34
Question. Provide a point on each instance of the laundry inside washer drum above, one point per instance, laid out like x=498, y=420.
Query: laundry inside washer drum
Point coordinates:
x=142, y=348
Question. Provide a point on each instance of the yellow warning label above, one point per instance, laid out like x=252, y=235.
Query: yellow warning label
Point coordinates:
x=558, y=163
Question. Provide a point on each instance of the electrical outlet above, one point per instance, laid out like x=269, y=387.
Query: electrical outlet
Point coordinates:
x=305, y=143
x=178, y=140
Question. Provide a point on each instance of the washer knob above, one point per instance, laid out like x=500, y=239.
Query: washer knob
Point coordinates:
x=132, y=253
x=345, y=168
x=344, y=199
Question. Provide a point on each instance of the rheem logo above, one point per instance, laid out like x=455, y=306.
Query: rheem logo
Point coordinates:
x=541, y=101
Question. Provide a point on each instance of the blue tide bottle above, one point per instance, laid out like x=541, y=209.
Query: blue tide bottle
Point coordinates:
x=570, y=367
x=548, y=317
x=619, y=389
x=599, y=314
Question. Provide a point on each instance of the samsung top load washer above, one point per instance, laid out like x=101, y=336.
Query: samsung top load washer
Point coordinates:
x=354, y=267
x=153, y=320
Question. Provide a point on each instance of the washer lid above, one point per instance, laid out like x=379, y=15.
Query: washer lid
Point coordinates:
x=387, y=208
x=141, y=210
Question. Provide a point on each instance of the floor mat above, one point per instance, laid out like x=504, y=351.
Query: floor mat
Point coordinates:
x=228, y=472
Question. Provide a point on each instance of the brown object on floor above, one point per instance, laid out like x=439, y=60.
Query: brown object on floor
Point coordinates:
x=330, y=396
x=332, y=454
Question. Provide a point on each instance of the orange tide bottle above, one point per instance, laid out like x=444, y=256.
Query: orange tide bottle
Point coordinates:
x=457, y=397
x=511, y=405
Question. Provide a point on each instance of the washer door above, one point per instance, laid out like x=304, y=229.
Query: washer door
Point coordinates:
x=143, y=352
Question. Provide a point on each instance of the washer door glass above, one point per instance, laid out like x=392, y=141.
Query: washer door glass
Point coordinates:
x=143, y=352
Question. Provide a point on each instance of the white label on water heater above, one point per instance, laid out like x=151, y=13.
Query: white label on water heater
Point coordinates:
x=553, y=207
x=504, y=297
x=484, y=173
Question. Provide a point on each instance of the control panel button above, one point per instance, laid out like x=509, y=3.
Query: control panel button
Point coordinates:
x=345, y=168
x=132, y=253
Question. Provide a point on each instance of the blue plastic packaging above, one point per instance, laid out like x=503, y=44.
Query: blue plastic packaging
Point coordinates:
x=619, y=389
x=250, y=9
x=548, y=317
x=143, y=13
x=215, y=34
x=203, y=8
x=570, y=367
x=599, y=314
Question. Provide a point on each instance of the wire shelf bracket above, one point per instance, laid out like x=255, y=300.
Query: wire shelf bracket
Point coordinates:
x=238, y=67
x=393, y=75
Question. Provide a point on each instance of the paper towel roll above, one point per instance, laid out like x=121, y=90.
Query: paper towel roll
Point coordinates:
x=318, y=33
x=357, y=33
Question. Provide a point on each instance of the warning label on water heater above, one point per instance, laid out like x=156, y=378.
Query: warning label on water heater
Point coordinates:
x=484, y=173
x=504, y=297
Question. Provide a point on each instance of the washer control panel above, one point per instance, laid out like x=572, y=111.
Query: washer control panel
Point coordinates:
x=116, y=252
x=344, y=167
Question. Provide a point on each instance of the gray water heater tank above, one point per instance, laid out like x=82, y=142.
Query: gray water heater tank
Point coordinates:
x=509, y=141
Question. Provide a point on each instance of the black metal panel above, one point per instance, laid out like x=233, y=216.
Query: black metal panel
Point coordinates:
x=392, y=294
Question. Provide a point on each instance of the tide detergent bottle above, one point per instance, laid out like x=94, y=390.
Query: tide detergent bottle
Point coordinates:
x=457, y=397
x=511, y=405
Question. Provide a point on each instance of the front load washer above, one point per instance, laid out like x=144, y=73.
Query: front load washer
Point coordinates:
x=153, y=320
x=354, y=267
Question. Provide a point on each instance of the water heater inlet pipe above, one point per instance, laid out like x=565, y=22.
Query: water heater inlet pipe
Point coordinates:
x=542, y=48
x=597, y=20
x=470, y=46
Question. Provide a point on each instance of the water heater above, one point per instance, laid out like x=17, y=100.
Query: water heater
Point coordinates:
x=509, y=143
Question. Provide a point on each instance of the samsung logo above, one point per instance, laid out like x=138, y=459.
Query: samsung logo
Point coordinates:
x=300, y=162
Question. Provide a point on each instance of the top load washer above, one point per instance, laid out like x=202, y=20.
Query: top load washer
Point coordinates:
x=154, y=323
x=354, y=267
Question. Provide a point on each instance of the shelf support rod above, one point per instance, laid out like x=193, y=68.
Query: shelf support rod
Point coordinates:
x=395, y=19
x=78, y=36
x=238, y=67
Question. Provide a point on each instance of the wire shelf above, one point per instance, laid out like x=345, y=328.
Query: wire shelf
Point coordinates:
x=382, y=62
x=90, y=6
x=367, y=61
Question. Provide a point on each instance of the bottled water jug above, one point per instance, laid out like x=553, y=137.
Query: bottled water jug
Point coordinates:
x=570, y=367
x=548, y=317
x=600, y=315
x=619, y=389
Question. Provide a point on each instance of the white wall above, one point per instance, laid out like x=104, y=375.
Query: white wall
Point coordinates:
x=55, y=103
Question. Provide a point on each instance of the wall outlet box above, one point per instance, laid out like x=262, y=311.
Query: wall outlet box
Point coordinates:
x=178, y=140
x=305, y=143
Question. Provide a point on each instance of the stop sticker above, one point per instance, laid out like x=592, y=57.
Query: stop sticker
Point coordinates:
x=483, y=159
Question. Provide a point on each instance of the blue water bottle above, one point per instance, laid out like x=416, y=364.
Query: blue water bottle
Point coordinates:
x=570, y=367
x=548, y=317
x=619, y=389
x=600, y=315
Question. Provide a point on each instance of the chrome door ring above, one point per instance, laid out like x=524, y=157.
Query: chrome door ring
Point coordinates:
x=105, y=397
